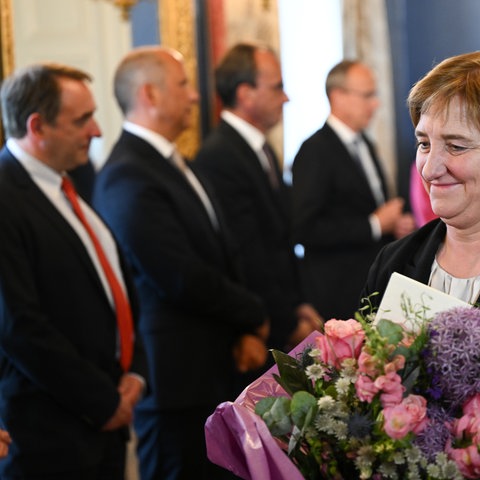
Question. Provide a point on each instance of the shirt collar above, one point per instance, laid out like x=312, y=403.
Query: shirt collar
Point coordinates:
x=157, y=141
x=39, y=171
x=252, y=135
x=345, y=133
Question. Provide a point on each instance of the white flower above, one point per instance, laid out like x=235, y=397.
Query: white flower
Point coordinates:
x=413, y=455
x=399, y=458
x=314, y=352
x=342, y=385
x=433, y=471
x=315, y=371
x=326, y=403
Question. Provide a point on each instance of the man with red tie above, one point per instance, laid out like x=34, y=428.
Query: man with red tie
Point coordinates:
x=71, y=368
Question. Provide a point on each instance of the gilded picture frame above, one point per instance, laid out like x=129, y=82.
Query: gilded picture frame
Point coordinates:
x=7, y=46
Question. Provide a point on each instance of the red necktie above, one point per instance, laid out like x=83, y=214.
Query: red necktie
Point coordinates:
x=122, y=306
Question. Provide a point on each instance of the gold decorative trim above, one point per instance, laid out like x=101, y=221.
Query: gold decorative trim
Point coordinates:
x=125, y=7
x=7, y=53
x=6, y=36
x=177, y=30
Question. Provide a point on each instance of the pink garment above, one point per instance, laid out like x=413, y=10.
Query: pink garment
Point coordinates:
x=238, y=439
x=419, y=199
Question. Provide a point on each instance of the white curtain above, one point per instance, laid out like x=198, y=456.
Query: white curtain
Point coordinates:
x=366, y=38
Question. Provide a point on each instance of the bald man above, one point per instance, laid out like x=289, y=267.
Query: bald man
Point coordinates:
x=196, y=319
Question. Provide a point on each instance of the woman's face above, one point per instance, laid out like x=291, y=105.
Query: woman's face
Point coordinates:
x=448, y=159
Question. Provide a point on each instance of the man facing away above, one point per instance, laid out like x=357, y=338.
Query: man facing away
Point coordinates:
x=196, y=318
x=70, y=367
x=245, y=172
x=342, y=214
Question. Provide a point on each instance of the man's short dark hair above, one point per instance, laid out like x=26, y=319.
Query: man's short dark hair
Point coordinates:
x=237, y=66
x=34, y=89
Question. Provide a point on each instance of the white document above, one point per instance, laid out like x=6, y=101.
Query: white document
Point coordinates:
x=415, y=297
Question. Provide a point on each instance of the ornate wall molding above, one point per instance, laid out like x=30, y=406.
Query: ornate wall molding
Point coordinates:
x=7, y=52
x=6, y=34
x=177, y=30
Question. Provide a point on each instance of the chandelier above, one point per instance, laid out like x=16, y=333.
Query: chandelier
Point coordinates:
x=124, y=6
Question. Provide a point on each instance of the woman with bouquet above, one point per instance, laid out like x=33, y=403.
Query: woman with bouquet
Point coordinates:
x=367, y=400
x=445, y=253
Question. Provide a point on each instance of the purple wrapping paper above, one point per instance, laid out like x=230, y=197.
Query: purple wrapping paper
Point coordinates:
x=238, y=439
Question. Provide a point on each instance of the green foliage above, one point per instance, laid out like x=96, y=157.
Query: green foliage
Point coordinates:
x=390, y=331
x=275, y=412
x=303, y=409
x=292, y=377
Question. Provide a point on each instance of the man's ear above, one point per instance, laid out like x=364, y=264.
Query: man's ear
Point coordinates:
x=35, y=124
x=147, y=94
x=245, y=94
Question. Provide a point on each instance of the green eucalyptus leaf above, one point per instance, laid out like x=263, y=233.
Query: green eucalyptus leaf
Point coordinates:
x=275, y=412
x=295, y=441
x=292, y=377
x=264, y=405
x=410, y=380
x=392, y=331
x=303, y=407
x=405, y=351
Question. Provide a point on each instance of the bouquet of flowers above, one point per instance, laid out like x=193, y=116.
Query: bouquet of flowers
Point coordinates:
x=374, y=400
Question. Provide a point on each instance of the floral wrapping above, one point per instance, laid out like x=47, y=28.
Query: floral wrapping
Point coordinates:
x=238, y=439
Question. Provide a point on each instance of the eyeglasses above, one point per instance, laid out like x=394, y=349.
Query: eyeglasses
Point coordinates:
x=365, y=95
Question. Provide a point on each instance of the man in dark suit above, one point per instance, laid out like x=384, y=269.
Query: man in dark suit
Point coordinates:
x=248, y=182
x=193, y=308
x=69, y=377
x=342, y=214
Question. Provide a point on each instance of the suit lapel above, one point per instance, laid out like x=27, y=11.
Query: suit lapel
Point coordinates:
x=352, y=172
x=422, y=259
x=377, y=164
x=160, y=167
x=252, y=163
x=40, y=203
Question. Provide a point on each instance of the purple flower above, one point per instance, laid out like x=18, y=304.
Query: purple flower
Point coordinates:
x=434, y=437
x=453, y=355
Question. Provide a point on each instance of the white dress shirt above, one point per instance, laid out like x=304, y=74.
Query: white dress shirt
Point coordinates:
x=169, y=151
x=49, y=181
x=252, y=135
x=349, y=138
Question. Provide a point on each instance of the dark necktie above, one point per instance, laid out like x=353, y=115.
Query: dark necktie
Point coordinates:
x=368, y=169
x=272, y=172
x=122, y=306
x=355, y=153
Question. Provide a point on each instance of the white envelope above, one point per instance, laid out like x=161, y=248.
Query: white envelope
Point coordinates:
x=417, y=297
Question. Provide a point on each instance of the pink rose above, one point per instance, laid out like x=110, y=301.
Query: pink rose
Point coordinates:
x=408, y=416
x=472, y=406
x=396, y=421
x=416, y=406
x=392, y=388
x=467, y=426
x=343, y=339
x=467, y=460
x=365, y=388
